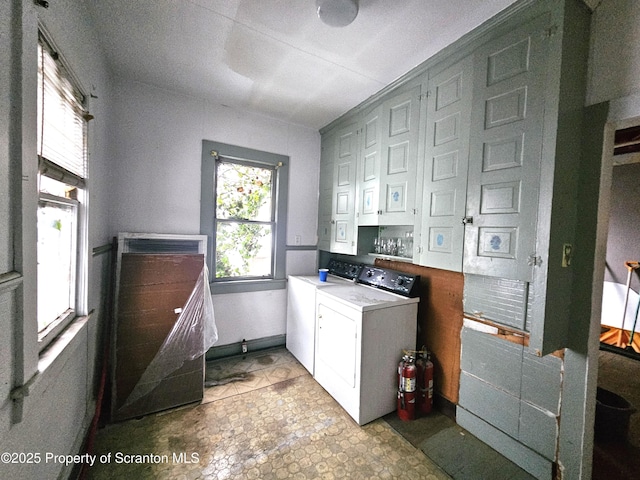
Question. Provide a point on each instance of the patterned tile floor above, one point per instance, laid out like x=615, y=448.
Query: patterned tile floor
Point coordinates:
x=275, y=423
x=242, y=374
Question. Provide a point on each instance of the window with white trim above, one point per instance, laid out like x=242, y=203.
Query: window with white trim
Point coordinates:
x=62, y=176
x=243, y=212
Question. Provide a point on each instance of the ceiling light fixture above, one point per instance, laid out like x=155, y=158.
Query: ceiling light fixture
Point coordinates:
x=337, y=13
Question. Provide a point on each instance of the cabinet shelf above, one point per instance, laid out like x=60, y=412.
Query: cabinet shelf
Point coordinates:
x=391, y=257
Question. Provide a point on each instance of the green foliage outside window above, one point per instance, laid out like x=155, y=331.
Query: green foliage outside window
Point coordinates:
x=244, y=217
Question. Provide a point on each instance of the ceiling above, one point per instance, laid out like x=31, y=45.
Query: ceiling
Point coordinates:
x=275, y=57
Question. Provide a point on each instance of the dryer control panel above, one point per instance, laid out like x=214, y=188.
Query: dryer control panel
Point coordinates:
x=391, y=280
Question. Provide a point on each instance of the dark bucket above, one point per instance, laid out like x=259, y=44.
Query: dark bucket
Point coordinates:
x=612, y=416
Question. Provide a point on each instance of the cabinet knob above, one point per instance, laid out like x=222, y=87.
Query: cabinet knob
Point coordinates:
x=467, y=220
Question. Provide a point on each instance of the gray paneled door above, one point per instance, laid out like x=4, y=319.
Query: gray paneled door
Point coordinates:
x=343, y=227
x=401, y=117
x=446, y=163
x=505, y=153
x=325, y=197
x=369, y=172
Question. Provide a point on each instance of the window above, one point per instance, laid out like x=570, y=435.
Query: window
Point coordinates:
x=244, y=220
x=62, y=167
x=243, y=213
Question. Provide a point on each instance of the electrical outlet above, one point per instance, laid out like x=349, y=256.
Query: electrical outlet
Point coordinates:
x=245, y=349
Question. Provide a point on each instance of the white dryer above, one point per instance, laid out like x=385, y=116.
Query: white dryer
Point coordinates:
x=301, y=307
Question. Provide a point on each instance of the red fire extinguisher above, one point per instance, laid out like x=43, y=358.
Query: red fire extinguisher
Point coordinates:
x=407, y=388
x=424, y=373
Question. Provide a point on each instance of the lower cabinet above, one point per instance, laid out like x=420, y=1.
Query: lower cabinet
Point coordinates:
x=357, y=354
x=510, y=398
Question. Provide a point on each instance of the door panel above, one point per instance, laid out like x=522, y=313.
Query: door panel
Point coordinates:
x=325, y=198
x=399, y=160
x=343, y=231
x=337, y=347
x=369, y=171
x=446, y=159
x=505, y=153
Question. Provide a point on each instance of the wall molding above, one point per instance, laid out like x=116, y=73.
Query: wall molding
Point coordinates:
x=10, y=281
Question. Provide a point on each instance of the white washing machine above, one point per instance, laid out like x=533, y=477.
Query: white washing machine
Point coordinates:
x=361, y=332
x=301, y=307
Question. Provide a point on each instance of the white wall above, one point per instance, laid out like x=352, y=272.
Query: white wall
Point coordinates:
x=155, y=184
x=614, y=63
x=61, y=390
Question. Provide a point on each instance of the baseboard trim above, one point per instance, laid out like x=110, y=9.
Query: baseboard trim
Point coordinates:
x=444, y=406
x=233, y=349
x=527, y=459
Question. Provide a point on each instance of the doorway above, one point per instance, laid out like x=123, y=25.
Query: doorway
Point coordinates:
x=618, y=455
x=621, y=304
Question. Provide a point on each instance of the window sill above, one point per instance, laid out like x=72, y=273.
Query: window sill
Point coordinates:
x=243, y=286
x=60, y=344
x=57, y=353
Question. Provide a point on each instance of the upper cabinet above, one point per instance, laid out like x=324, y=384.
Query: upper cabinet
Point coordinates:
x=343, y=206
x=447, y=120
x=505, y=153
x=325, y=194
x=369, y=166
x=401, y=115
x=388, y=160
x=529, y=86
x=484, y=140
x=483, y=150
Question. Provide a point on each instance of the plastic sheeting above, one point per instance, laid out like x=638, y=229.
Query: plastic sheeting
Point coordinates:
x=191, y=336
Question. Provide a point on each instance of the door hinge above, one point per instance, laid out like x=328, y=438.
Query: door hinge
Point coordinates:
x=424, y=95
x=534, y=261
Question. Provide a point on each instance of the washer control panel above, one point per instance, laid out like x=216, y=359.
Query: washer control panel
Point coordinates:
x=344, y=269
x=397, y=282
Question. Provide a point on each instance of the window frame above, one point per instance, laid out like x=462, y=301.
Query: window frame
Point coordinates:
x=57, y=172
x=213, y=151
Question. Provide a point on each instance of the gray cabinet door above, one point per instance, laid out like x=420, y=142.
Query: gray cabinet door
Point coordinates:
x=325, y=194
x=401, y=118
x=343, y=225
x=446, y=146
x=369, y=167
x=505, y=153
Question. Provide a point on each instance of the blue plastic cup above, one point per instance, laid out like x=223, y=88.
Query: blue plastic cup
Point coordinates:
x=323, y=274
